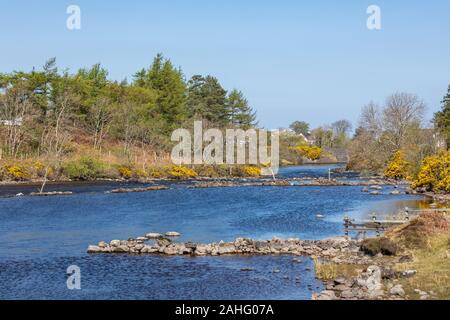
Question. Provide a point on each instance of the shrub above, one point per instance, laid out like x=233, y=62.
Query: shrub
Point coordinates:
x=251, y=171
x=434, y=174
x=140, y=173
x=373, y=246
x=16, y=172
x=310, y=152
x=155, y=172
x=125, y=172
x=40, y=169
x=206, y=170
x=397, y=168
x=181, y=172
x=83, y=169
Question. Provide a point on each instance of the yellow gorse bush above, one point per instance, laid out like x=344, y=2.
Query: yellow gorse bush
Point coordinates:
x=397, y=168
x=310, y=152
x=16, y=172
x=434, y=174
x=181, y=172
x=125, y=172
x=251, y=171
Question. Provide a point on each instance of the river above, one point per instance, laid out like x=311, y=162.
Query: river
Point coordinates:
x=41, y=237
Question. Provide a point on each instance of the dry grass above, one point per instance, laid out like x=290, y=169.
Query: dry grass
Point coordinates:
x=329, y=271
x=432, y=263
x=425, y=226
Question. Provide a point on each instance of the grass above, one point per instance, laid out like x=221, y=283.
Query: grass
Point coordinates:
x=432, y=263
x=329, y=271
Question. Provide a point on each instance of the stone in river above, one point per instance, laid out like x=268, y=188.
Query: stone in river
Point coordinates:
x=94, y=249
x=173, y=234
x=114, y=243
x=153, y=235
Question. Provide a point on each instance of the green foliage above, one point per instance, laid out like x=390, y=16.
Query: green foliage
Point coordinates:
x=83, y=169
x=442, y=118
x=170, y=88
x=241, y=115
x=300, y=127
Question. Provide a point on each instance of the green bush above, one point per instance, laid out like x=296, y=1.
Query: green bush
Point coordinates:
x=84, y=169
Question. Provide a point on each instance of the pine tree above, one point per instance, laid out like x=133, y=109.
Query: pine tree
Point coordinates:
x=240, y=113
x=169, y=84
x=442, y=118
x=207, y=100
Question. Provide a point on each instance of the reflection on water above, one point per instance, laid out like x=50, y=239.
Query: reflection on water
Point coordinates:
x=390, y=208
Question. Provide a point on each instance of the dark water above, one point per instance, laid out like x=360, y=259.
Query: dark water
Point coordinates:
x=41, y=237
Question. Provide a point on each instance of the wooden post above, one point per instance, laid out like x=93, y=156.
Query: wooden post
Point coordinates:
x=346, y=225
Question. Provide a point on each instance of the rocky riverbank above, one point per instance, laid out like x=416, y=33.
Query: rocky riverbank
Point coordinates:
x=373, y=283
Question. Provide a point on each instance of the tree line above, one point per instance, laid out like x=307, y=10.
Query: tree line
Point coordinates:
x=43, y=111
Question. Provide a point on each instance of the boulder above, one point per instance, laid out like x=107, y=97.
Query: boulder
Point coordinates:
x=173, y=234
x=397, y=290
x=347, y=294
x=325, y=295
x=226, y=248
x=153, y=235
x=102, y=244
x=114, y=243
x=171, y=249
x=408, y=273
x=162, y=242
x=149, y=249
x=121, y=249
x=94, y=249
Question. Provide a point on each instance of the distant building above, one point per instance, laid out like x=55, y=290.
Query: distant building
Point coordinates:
x=291, y=132
x=16, y=122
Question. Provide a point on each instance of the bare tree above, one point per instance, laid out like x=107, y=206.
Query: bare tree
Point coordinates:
x=370, y=119
x=56, y=133
x=100, y=117
x=341, y=127
x=15, y=111
x=402, y=113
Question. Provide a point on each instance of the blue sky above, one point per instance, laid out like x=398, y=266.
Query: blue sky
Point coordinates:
x=294, y=60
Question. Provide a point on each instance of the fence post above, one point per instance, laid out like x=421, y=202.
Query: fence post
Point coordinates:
x=346, y=225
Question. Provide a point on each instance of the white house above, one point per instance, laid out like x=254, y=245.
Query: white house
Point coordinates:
x=15, y=122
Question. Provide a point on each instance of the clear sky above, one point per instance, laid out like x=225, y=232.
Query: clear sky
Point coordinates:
x=294, y=60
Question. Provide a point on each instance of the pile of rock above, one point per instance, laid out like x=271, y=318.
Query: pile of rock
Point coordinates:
x=374, y=283
x=51, y=193
x=338, y=250
x=127, y=190
x=367, y=286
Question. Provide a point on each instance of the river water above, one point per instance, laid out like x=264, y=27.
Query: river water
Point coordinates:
x=41, y=237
